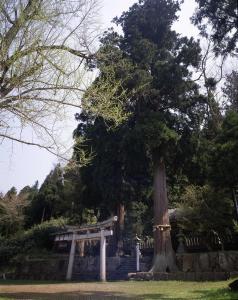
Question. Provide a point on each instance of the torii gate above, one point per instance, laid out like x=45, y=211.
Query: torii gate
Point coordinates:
x=100, y=232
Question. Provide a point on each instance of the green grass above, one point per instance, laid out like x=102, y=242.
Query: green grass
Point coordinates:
x=143, y=290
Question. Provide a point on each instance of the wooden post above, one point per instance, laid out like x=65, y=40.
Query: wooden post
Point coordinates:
x=71, y=259
x=102, y=256
x=81, y=248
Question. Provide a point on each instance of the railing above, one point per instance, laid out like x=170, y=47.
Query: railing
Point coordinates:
x=211, y=242
x=191, y=243
x=146, y=246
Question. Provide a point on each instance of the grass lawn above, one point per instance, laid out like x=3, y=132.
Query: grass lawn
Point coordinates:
x=143, y=290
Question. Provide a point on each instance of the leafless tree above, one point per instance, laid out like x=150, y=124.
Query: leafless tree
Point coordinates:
x=44, y=45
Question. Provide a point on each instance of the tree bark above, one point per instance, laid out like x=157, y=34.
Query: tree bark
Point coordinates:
x=120, y=228
x=164, y=256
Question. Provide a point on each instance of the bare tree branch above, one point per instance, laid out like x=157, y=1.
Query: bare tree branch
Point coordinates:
x=47, y=148
x=43, y=49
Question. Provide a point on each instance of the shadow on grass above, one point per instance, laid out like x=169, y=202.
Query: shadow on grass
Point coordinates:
x=69, y=296
x=158, y=296
x=219, y=294
x=29, y=282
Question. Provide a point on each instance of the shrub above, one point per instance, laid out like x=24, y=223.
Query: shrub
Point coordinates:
x=36, y=239
x=204, y=209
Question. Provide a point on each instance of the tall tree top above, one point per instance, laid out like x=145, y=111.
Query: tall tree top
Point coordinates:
x=148, y=22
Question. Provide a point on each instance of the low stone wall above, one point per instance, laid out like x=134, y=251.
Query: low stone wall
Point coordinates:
x=209, y=266
x=181, y=276
x=85, y=268
x=51, y=268
x=191, y=266
x=221, y=261
x=88, y=268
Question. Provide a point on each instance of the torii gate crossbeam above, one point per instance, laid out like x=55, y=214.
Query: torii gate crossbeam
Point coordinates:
x=74, y=236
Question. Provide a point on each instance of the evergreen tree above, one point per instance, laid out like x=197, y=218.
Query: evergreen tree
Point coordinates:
x=205, y=210
x=49, y=202
x=164, y=105
x=114, y=178
x=231, y=91
x=224, y=158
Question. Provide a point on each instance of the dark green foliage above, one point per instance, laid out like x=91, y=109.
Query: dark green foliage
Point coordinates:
x=231, y=91
x=169, y=103
x=35, y=240
x=11, y=193
x=165, y=108
x=59, y=196
x=147, y=30
x=50, y=201
x=203, y=209
x=114, y=176
x=223, y=18
x=138, y=220
x=213, y=172
x=224, y=157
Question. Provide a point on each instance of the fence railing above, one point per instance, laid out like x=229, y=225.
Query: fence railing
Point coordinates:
x=191, y=243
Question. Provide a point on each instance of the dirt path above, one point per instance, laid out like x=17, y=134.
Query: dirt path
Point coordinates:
x=124, y=290
x=65, y=291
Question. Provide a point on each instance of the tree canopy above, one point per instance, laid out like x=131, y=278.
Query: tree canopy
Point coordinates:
x=163, y=102
x=222, y=16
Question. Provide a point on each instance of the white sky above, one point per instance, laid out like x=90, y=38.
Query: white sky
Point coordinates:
x=22, y=165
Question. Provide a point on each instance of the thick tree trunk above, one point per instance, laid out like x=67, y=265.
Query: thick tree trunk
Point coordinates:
x=120, y=227
x=164, y=257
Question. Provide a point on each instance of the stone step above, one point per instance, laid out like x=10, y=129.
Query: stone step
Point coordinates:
x=127, y=266
x=124, y=269
x=96, y=276
x=182, y=276
x=123, y=266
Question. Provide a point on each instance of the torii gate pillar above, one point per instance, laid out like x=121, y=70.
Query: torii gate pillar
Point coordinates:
x=102, y=256
x=71, y=259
